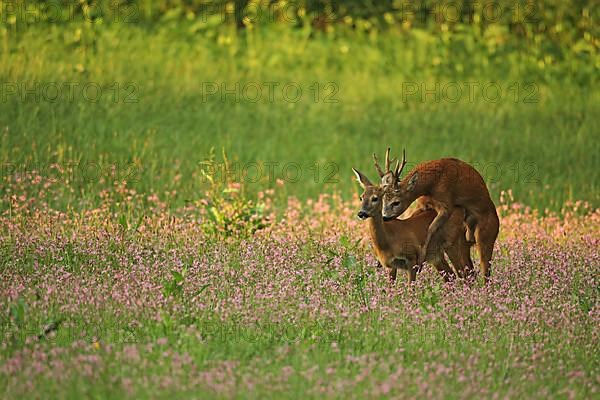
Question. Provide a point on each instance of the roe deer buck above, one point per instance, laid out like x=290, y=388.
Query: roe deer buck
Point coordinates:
x=447, y=183
x=397, y=242
x=422, y=203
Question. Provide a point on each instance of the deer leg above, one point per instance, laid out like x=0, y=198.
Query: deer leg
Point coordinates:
x=459, y=254
x=440, y=219
x=485, y=255
x=435, y=255
x=485, y=235
x=471, y=224
x=455, y=256
x=440, y=263
x=408, y=264
x=465, y=252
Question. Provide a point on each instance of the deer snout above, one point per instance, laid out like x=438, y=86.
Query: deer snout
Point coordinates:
x=362, y=214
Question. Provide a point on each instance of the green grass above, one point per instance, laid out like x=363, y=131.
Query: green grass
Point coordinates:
x=544, y=150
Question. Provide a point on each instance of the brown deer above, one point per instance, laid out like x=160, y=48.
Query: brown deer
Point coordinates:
x=397, y=242
x=447, y=183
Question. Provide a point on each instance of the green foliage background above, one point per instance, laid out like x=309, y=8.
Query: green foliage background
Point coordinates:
x=540, y=139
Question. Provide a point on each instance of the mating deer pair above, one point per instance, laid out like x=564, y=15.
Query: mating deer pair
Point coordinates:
x=455, y=211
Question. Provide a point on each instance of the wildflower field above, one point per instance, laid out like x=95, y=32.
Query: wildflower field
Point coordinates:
x=178, y=212
x=131, y=299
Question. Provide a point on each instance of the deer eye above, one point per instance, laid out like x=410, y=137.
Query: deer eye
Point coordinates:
x=395, y=204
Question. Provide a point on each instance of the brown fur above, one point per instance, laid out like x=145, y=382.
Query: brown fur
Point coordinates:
x=447, y=183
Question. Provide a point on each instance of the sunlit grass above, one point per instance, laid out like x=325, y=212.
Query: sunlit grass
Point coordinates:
x=164, y=105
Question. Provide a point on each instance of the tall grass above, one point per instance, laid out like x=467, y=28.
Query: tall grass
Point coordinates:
x=163, y=107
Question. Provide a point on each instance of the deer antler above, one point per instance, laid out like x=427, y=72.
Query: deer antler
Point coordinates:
x=379, y=171
x=387, y=163
x=400, y=167
x=387, y=160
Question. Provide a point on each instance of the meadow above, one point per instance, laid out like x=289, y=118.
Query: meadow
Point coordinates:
x=178, y=212
x=168, y=306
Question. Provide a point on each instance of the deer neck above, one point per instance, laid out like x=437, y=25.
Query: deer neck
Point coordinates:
x=422, y=186
x=377, y=230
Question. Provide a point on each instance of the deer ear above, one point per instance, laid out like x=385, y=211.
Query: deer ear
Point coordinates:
x=363, y=180
x=412, y=182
